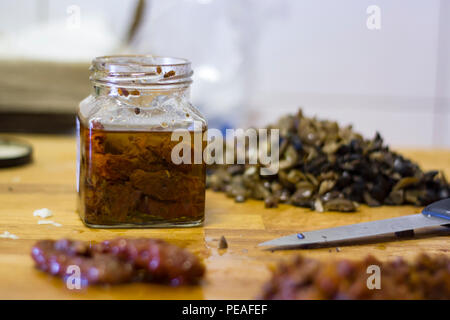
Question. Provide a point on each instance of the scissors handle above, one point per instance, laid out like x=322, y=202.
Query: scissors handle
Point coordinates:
x=439, y=209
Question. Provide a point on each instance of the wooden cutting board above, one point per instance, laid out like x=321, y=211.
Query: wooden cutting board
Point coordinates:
x=236, y=273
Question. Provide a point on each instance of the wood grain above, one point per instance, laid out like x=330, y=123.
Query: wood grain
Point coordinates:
x=235, y=273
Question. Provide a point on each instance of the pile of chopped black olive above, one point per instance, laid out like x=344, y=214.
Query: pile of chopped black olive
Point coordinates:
x=330, y=168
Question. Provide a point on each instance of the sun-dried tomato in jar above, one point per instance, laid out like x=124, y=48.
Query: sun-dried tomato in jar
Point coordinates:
x=129, y=174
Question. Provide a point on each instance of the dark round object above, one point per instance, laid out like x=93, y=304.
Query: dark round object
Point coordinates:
x=14, y=152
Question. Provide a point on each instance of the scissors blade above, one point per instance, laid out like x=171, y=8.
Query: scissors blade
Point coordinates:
x=356, y=231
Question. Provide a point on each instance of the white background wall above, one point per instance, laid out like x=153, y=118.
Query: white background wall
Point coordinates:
x=388, y=79
x=258, y=59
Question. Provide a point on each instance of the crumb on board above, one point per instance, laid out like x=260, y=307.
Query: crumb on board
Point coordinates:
x=56, y=224
x=43, y=213
x=223, y=244
x=8, y=235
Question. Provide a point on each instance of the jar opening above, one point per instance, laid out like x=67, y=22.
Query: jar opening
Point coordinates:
x=140, y=71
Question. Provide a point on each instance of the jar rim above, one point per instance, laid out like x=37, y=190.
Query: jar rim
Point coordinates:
x=140, y=70
x=115, y=60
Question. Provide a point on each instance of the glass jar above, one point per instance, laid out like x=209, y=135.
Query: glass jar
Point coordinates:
x=127, y=176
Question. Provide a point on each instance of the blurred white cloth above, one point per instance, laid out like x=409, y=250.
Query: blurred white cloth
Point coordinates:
x=54, y=41
x=63, y=30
